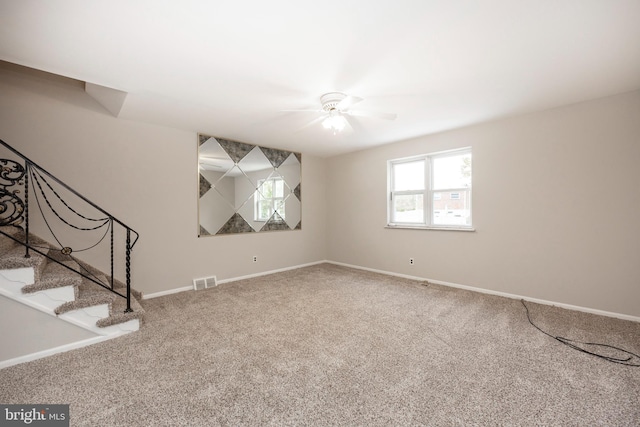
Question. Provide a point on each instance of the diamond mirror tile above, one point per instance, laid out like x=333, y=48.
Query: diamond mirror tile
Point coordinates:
x=245, y=188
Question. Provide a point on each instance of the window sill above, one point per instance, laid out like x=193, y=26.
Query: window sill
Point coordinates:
x=418, y=227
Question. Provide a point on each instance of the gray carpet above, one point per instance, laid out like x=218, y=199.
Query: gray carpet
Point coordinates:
x=328, y=345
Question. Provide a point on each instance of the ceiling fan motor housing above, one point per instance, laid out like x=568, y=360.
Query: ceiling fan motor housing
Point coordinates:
x=331, y=100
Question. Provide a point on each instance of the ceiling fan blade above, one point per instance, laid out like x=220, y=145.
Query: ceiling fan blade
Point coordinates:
x=207, y=166
x=301, y=111
x=348, y=102
x=205, y=157
x=213, y=162
x=353, y=125
x=311, y=123
x=375, y=114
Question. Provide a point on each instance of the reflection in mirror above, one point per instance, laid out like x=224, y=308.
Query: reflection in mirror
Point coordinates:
x=246, y=188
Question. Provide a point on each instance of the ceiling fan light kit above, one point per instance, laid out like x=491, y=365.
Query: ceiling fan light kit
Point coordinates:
x=337, y=106
x=336, y=121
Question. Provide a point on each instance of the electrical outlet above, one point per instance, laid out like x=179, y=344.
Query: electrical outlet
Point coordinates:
x=255, y=258
x=411, y=261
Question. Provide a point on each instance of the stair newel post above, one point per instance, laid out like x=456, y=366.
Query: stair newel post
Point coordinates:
x=128, y=271
x=111, y=225
x=27, y=170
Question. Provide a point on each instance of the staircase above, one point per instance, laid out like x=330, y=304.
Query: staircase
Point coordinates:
x=48, y=274
x=54, y=288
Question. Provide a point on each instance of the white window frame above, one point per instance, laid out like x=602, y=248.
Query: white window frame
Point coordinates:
x=427, y=193
x=274, y=200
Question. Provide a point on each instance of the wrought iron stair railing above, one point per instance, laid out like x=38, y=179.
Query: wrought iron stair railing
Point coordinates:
x=76, y=224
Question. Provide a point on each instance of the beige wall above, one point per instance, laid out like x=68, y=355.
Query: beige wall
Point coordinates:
x=543, y=186
x=38, y=331
x=146, y=175
x=555, y=207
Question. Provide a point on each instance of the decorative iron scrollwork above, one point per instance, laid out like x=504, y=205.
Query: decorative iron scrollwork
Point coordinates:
x=11, y=171
x=11, y=206
x=27, y=191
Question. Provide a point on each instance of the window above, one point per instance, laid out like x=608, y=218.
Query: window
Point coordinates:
x=431, y=191
x=269, y=199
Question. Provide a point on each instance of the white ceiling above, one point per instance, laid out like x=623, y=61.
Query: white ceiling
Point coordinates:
x=228, y=69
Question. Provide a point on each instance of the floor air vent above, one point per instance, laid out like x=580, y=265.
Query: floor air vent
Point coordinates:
x=204, y=283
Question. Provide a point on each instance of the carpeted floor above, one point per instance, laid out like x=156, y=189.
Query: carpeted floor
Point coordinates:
x=328, y=345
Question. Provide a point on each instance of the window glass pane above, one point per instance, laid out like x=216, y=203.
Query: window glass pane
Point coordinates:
x=279, y=184
x=408, y=208
x=452, y=211
x=266, y=189
x=269, y=197
x=431, y=190
x=408, y=176
x=452, y=171
x=265, y=209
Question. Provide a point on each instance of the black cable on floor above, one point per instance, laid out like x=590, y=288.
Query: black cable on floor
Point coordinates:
x=628, y=360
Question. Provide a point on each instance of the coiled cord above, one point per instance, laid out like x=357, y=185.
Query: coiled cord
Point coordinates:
x=627, y=358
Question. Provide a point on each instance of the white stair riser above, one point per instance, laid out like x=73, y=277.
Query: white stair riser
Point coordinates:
x=87, y=321
x=12, y=282
x=49, y=299
x=87, y=317
x=25, y=275
x=122, y=328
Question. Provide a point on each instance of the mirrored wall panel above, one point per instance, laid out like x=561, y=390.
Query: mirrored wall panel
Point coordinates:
x=246, y=188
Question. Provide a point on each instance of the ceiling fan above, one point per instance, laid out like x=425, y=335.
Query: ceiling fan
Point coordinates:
x=214, y=163
x=336, y=109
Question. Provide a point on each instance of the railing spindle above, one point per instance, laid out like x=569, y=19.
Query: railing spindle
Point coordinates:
x=111, y=225
x=27, y=168
x=128, y=268
x=37, y=185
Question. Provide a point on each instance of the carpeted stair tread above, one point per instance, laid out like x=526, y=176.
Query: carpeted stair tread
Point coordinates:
x=18, y=233
x=12, y=230
x=7, y=243
x=122, y=288
x=12, y=253
x=118, y=285
x=89, y=294
x=120, y=304
x=50, y=274
x=57, y=255
x=117, y=305
x=119, y=316
x=14, y=257
x=54, y=276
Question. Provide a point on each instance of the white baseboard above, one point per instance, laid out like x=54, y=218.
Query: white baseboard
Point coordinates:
x=406, y=276
x=496, y=293
x=168, y=292
x=265, y=273
x=232, y=279
x=52, y=351
x=45, y=301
